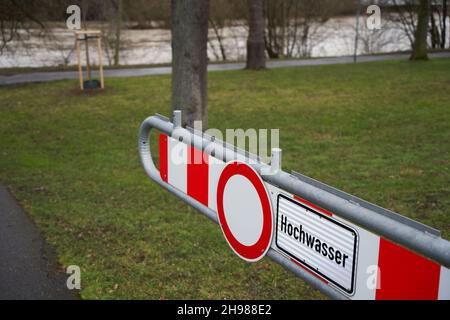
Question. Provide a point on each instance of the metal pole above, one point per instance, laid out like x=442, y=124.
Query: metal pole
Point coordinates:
x=275, y=162
x=177, y=119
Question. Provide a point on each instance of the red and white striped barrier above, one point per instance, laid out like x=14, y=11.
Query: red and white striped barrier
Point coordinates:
x=378, y=269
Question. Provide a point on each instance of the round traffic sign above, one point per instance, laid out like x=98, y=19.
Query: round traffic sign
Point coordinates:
x=244, y=210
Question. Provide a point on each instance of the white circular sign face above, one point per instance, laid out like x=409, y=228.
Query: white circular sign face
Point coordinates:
x=245, y=211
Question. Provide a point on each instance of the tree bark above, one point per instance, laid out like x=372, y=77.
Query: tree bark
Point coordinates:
x=189, y=59
x=419, y=49
x=256, y=58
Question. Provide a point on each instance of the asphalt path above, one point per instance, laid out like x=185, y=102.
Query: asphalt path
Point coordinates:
x=28, y=265
x=136, y=72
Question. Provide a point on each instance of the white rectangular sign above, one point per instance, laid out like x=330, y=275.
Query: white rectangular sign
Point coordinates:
x=317, y=241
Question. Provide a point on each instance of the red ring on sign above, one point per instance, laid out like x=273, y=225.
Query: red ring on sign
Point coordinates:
x=257, y=250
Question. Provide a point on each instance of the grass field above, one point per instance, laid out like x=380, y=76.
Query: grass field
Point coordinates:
x=378, y=130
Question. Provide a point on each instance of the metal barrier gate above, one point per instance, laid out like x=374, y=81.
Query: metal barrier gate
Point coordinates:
x=343, y=246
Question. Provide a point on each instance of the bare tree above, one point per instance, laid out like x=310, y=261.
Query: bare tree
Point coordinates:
x=419, y=48
x=256, y=56
x=218, y=32
x=438, y=23
x=404, y=14
x=226, y=17
x=55, y=42
x=444, y=23
x=219, y=13
x=147, y=13
x=293, y=24
x=17, y=15
x=189, y=59
x=373, y=41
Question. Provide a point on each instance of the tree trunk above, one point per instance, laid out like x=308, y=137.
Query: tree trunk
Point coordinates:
x=189, y=59
x=283, y=28
x=118, y=31
x=444, y=23
x=88, y=60
x=419, y=51
x=256, y=58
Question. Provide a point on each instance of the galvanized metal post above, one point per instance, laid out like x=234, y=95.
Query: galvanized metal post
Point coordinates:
x=177, y=118
x=275, y=163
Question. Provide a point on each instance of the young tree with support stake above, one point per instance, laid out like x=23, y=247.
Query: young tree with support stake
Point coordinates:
x=189, y=59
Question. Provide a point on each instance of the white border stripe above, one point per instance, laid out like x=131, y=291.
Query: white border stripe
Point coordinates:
x=215, y=167
x=444, y=284
x=367, y=268
x=177, y=154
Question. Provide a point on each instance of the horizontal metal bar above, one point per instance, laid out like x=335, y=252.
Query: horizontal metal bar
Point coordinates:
x=368, y=205
x=422, y=242
x=154, y=174
x=226, y=145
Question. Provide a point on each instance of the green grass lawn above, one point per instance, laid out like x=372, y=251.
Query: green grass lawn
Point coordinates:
x=378, y=130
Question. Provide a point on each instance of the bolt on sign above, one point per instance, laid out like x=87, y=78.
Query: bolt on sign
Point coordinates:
x=344, y=246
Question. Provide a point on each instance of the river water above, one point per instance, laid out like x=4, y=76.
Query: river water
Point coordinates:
x=333, y=38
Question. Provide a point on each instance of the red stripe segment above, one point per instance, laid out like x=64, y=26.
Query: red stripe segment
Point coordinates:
x=163, y=156
x=405, y=275
x=197, y=175
x=313, y=206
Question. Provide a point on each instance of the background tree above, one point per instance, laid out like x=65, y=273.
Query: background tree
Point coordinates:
x=292, y=25
x=16, y=16
x=189, y=59
x=405, y=13
x=438, y=21
x=119, y=16
x=220, y=12
x=226, y=17
x=256, y=56
x=419, y=48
